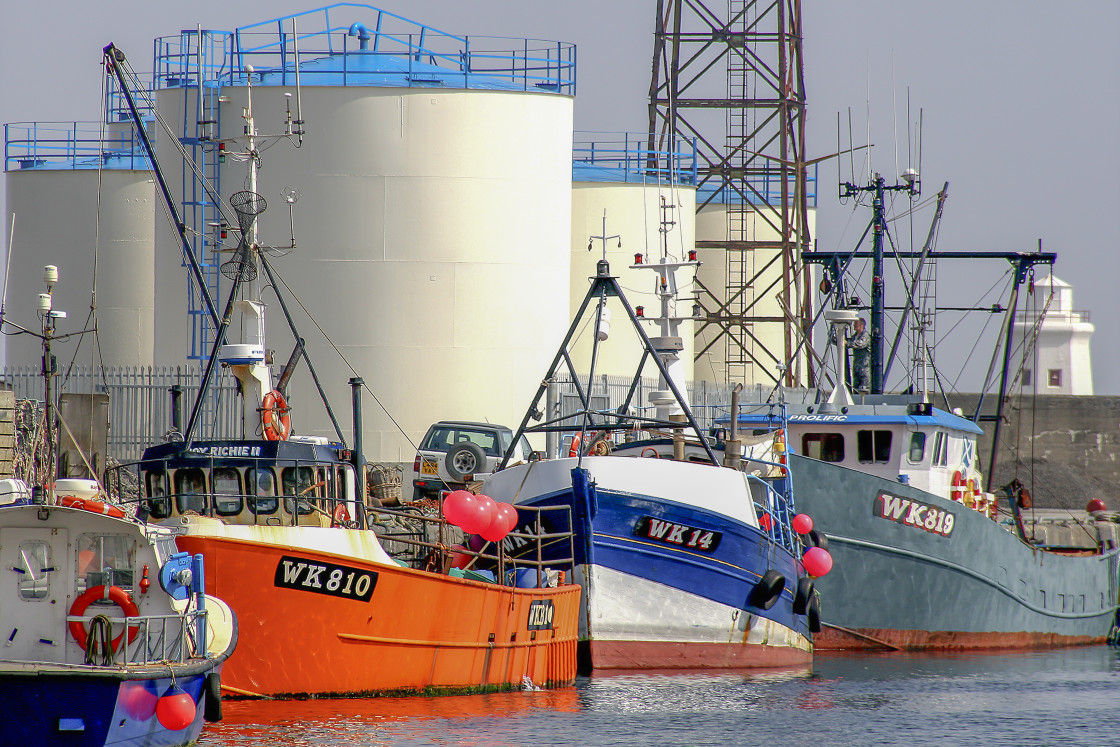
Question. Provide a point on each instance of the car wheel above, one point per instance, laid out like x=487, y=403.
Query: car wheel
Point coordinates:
x=464, y=460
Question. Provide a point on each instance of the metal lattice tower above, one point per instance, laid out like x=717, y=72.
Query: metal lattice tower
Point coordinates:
x=733, y=79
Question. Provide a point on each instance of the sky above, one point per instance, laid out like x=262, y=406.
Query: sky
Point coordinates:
x=1019, y=102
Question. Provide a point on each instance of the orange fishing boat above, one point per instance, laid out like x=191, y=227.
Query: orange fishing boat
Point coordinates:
x=323, y=609
x=354, y=622
x=291, y=544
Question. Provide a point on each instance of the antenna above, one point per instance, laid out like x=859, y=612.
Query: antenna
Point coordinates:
x=299, y=105
x=604, y=238
x=291, y=196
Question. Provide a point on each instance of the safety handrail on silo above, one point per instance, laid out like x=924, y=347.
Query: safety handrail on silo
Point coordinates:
x=530, y=63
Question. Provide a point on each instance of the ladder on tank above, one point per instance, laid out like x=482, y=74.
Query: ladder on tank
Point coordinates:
x=201, y=132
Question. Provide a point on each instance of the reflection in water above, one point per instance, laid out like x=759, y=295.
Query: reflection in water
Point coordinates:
x=1065, y=697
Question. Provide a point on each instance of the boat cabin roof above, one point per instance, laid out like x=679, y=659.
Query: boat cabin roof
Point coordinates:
x=913, y=415
x=255, y=450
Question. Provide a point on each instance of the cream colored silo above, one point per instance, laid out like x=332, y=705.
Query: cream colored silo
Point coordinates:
x=90, y=223
x=748, y=283
x=635, y=213
x=433, y=244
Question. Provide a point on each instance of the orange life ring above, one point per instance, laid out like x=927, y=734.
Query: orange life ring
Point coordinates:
x=573, y=451
x=276, y=422
x=115, y=594
x=340, y=517
x=91, y=505
x=957, y=487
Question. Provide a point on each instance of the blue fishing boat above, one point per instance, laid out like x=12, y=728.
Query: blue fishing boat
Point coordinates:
x=685, y=563
x=109, y=636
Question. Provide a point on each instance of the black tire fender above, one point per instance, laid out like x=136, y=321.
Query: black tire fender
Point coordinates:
x=815, y=539
x=803, y=596
x=813, y=614
x=212, y=692
x=767, y=591
x=463, y=460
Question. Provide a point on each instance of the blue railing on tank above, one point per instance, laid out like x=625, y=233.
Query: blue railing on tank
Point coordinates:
x=763, y=187
x=81, y=145
x=629, y=157
x=369, y=47
x=71, y=145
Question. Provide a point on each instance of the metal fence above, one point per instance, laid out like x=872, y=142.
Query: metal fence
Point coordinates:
x=139, y=400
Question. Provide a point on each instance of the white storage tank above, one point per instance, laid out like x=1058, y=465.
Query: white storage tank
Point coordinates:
x=433, y=220
x=758, y=272
x=647, y=212
x=53, y=176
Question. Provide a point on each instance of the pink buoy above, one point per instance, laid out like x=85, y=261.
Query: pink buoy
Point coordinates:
x=802, y=524
x=176, y=710
x=457, y=505
x=478, y=516
x=509, y=516
x=138, y=702
x=496, y=530
x=817, y=562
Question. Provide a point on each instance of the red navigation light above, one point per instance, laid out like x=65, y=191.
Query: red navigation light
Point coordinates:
x=639, y=310
x=691, y=255
x=638, y=258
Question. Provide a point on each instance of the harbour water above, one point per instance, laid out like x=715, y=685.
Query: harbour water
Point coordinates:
x=1068, y=697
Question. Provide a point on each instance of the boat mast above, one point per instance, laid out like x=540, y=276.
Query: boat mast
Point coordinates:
x=878, y=188
x=668, y=344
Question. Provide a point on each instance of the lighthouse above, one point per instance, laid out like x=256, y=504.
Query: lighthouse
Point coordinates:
x=1056, y=359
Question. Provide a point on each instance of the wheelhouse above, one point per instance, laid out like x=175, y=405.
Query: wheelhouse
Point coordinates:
x=914, y=443
x=282, y=483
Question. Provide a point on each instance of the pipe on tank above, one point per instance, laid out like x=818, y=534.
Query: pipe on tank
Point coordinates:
x=359, y=30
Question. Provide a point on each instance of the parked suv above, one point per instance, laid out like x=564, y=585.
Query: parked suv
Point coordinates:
x=452, y=451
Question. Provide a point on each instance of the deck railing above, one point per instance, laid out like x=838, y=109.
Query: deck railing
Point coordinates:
x=429, y=543
x=158, y=639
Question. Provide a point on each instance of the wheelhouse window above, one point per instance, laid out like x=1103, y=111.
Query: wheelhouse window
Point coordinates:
x=227, y=491
x=873, y=447
x=298, y=481
x=825, y=447
x=157, y=487
x=106, y=560
x=940, y=450
x=917, y=447
x=190, y=490
x=262, y=491
x=33, y=569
